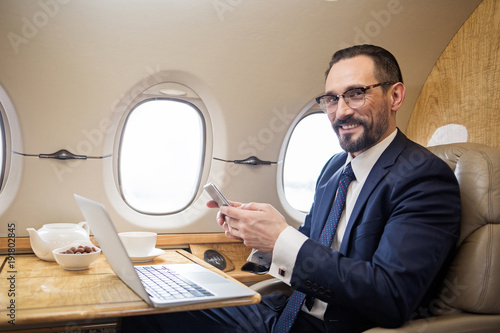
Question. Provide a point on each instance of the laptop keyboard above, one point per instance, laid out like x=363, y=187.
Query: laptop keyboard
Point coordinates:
x=166, y=284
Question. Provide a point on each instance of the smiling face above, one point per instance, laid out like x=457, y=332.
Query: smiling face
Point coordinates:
x=361, y=128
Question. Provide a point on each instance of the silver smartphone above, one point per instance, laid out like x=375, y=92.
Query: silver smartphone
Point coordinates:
x=216, y=195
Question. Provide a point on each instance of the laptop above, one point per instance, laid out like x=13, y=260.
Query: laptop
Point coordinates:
x=199, y=283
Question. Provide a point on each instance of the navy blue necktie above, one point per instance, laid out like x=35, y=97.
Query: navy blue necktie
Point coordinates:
x=294, y=304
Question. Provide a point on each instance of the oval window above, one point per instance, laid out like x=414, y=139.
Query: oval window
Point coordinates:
x=311, y=144
x=161, y=155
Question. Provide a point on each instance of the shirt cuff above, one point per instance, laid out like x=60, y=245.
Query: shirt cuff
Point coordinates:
x=285, y=253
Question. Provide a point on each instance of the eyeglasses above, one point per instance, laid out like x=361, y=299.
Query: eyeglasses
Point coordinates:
x=354, y=98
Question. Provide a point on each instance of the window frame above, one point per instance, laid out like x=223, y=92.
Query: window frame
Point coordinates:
x=134, y=106
x=311, y=108
x=3, y=138
x=12, y=141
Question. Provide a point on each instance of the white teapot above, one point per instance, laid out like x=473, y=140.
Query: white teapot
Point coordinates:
x=54, y=235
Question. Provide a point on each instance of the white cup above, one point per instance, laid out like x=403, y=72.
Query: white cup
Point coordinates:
x=138, y=243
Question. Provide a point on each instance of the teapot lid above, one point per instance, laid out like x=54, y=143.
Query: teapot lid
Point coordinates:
x=60, y=225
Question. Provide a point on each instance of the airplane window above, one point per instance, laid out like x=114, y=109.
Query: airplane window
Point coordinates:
x=161, y=155
x=311, y=144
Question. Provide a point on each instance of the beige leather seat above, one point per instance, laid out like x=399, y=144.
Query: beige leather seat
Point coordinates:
x=469, y=300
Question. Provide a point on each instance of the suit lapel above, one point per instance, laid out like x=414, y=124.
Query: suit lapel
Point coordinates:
x=327, y=195
x=377, y=174
x=326, y=204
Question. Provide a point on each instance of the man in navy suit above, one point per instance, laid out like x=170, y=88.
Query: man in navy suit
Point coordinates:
x=397, y=230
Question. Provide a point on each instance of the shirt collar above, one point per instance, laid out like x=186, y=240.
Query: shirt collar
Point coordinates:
x=364, y=162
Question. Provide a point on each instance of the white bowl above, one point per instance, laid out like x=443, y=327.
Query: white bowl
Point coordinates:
x=75, y=262
x=138, y=243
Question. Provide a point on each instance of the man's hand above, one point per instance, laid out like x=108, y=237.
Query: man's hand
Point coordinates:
x=257, y=225
x=221, y=218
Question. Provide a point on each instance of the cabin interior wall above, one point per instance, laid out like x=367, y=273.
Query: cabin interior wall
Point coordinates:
x=463, y=88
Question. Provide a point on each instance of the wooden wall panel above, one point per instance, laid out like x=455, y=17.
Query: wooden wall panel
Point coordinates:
x=464, y=86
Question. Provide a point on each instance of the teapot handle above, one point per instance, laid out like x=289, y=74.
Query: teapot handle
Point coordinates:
x=85, y=226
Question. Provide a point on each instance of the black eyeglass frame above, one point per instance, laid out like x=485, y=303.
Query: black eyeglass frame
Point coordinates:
x=363, y=89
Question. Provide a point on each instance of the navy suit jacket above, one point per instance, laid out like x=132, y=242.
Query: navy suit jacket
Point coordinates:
x=401, y=232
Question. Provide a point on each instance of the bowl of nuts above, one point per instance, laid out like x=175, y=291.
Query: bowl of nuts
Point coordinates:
x=76, y=256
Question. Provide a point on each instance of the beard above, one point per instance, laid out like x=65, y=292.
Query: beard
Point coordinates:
x=372, y=133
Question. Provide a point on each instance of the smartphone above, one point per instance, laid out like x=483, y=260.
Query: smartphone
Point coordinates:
x=216, y=195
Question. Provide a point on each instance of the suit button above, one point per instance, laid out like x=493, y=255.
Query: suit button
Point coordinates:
x=315, y=287
x=308, y=284
x=321, y=290
x=328, y=293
